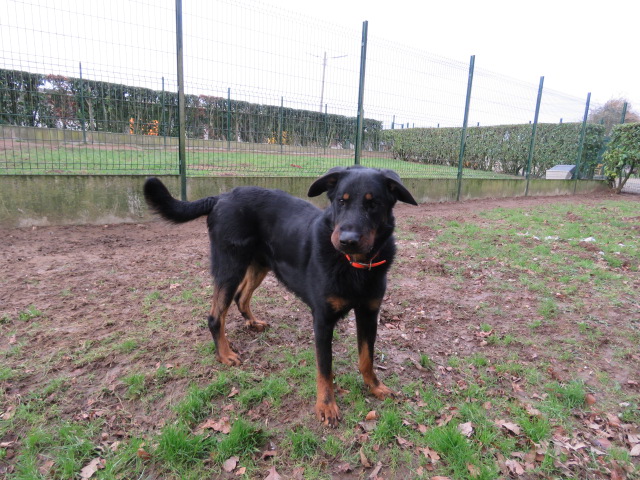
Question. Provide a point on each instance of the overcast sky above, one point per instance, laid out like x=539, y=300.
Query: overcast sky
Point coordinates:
x=268, y=51
x=579, y=46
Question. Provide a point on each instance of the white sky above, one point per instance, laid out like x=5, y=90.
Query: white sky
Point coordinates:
x=579, y=46
x=418, y=52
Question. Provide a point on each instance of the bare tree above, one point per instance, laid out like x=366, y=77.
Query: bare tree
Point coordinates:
x=610, y=114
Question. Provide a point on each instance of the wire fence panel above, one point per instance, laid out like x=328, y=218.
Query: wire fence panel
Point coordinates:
x=91, y=88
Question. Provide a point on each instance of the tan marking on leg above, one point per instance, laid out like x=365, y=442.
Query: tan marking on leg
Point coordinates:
x=374, y=304
x=224, y=354
x=327, y=409
x=252, y=280
x=365, y=365
x=337, y=303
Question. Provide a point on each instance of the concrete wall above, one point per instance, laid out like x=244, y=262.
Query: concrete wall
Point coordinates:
x=28, y=200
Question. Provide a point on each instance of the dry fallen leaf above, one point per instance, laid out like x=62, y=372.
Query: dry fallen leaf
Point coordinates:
x=372, y=415
x=515, y=467
x=404, y=442
x=92, y=467
x=590, y=399
x=473, y=470
x=534, y=412
x=223, y=426
x=143, y=454
x=430, y=454
x=364, y=460
x=511, y=427
x=466, y=429
x=273, y=475
x=613, y=420
x=230, y=464
x=635, y=451
x=376, y=471
x=241, y=471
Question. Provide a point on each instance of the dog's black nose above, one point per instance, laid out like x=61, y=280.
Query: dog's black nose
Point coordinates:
x=349, y=239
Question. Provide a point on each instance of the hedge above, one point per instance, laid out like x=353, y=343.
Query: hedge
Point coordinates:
x=54, y=101
x=501, y=148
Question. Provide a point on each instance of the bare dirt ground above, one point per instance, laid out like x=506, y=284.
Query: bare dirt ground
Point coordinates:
x=98, y=286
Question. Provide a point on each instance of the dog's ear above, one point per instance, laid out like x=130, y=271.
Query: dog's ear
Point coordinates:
x=326, y=182
x=396, y=187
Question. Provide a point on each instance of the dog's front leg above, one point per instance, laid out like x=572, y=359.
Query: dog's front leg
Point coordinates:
x=367, y=327
x=326, y=406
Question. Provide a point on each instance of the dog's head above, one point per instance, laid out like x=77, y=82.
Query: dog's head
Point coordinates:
x=362, y=200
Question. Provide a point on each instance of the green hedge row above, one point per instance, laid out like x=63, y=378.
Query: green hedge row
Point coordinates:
x=502, y=148
x=53, y=101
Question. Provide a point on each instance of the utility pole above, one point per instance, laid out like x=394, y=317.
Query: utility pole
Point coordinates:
x=324, y=71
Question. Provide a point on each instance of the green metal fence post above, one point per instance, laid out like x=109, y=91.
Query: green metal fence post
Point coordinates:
x=326, y=129
x=182, y=135
x=581, y=144
x=164, y=126
x=229, y=118
x=463, y=137
x=363, y=64
x=533, y=135
x=624, y=112
x=280, y=123
x=82, y=120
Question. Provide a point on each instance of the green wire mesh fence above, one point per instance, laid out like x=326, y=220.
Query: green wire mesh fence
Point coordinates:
x=91, y=88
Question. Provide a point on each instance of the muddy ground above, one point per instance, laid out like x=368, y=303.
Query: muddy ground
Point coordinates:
x=91, y=288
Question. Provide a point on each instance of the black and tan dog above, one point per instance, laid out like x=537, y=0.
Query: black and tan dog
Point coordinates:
x=335, y=260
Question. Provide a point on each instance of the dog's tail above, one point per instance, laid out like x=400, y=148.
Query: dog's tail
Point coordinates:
x=160, y=201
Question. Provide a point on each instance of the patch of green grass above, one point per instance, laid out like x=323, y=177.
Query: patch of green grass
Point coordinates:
x=272, y=388
x=197, y=404
x=244, y=439
x=69, y=446
x=29, y=313
x=459, y=453
x=571, y=395
x=136, y=385
x=127, y=346
x=548, y=308
x=426, y=362
x=178, y=447
x=7, y=373
x=390, y=425
x=303, y=443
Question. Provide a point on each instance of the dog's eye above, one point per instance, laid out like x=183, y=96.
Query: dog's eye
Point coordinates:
x=342, y=202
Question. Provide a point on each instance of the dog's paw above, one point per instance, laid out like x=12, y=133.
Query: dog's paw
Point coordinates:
x=328, y=413
x=257, y=325
x=381, y=391
x=230, y=358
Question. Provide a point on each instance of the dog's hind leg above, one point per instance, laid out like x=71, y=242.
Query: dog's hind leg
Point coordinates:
x=217, y=319
x=252, y=280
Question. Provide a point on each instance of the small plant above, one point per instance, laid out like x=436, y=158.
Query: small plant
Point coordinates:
x=196, y=406
x=179, y=448
x=244, y=439
x=136, y=385
x=29, y=314
x=127, y=346
x=304, y=443
x=426, y=362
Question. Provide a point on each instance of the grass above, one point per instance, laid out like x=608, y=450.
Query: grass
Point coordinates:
x=87, y=160
x=525, y=370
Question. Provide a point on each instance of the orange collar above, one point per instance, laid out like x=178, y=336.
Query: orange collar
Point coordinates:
x=365, y=266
